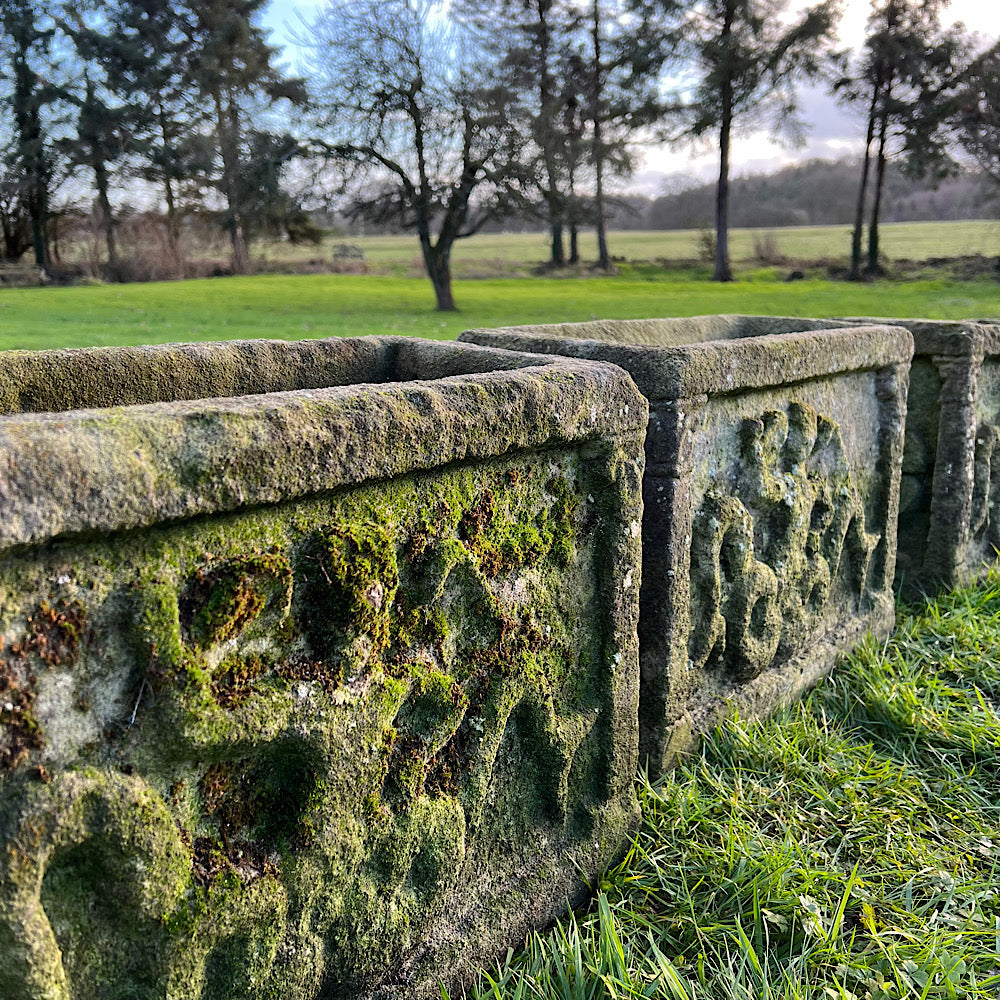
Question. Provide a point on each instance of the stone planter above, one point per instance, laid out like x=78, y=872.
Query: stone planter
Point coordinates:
x=319, y=671
x=771, y=493
x=949, y=521
x=948, y=532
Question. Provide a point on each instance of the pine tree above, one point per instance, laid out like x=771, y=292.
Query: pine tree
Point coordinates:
x=978, y=111
x=747, y=58
x=26, y=44
x=231, y=65
x=909, y=77
x=144, y=57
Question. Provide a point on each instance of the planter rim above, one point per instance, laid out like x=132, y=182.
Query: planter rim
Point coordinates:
x=963, y=338
x=718, y=367
x=124, y=467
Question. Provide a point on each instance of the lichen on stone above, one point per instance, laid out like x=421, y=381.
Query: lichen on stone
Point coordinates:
x=355, y=724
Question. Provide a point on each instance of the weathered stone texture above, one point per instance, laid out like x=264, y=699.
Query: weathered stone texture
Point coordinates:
x=771, y=492
x=330, y=691
x=948, y=533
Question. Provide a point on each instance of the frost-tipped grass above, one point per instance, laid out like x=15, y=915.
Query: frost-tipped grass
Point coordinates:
x=849, y=848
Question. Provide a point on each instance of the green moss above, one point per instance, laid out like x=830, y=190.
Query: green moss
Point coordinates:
x=220, y=601
x=156, y=619
x=414, y=626
x=325, y=700
x=265, y=802
x=435, y=705
x=352, y=581
x=521, y=536
x=234, y=681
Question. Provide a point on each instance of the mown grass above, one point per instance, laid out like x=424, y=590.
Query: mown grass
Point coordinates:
x=494, y=254
x=299, y=306
x=849, y=848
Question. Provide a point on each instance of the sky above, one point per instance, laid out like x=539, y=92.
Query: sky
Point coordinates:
x=832, y=131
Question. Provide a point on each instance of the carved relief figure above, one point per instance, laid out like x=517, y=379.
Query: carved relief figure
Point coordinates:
x=984, y=524
x=765, y=556
x=329, y=727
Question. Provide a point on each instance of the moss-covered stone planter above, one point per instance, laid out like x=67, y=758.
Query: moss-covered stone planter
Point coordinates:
x=948, y=533
x=771, y=493
x=319, y=672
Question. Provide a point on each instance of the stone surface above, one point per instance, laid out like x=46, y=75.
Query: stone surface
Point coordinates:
x=771, y=494
x=949, y=522
x=328, y=689
x=947, y=533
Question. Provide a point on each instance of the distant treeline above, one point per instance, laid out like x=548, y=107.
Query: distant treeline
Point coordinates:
x=817, y=193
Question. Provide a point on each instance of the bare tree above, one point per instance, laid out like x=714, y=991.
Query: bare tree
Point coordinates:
x=413, y=113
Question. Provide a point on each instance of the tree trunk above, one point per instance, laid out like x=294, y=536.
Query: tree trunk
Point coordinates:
x=558, y=255
x=723, y=271
x=571, y=214
x=859, y=208
x=547, y=133
x=106, y=221
x=173, y=229
x=441, y=279
x=227, y=135
x=437, y=260
x=603, y=258
x=38, y=240
x=55, y=245
x=880, y=164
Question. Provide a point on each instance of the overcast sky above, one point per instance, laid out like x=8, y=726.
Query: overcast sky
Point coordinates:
x=832, y=131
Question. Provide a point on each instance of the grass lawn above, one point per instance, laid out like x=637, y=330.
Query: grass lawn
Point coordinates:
x=492, y=253
x=294, y=307
x=848, y=849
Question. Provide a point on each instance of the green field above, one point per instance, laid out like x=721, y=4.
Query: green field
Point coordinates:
x=295, y=307
x=495, y=287
x=492, y=254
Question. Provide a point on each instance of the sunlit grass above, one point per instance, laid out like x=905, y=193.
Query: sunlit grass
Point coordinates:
x=293, y=307
x=849, y=848
x=498, y=253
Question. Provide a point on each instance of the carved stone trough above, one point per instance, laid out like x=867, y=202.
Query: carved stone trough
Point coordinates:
x=949, y=518
x=319, y=672
x=948, y=532
x=771, y=493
